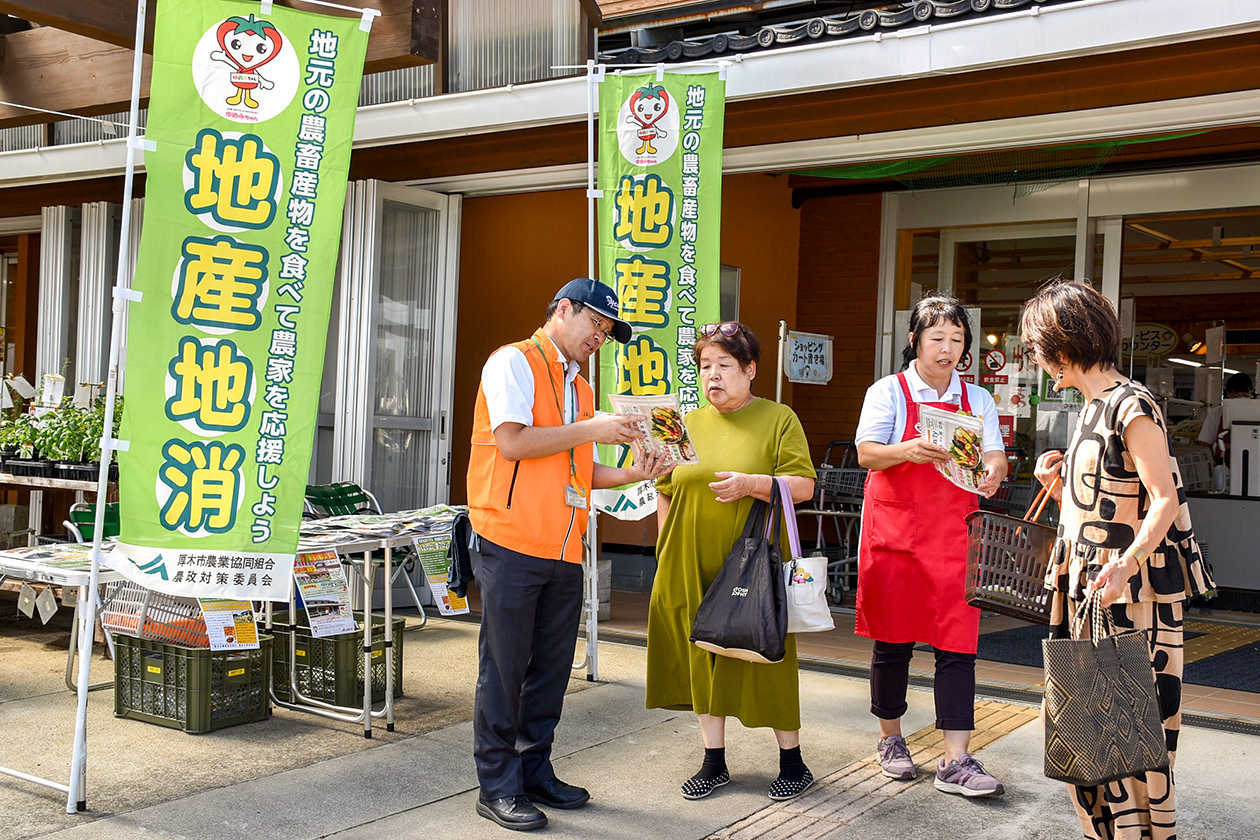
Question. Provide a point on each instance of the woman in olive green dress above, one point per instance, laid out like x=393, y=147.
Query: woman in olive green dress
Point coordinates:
x=743, y=442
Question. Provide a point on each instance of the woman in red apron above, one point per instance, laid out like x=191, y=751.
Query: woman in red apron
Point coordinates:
x=912, y=556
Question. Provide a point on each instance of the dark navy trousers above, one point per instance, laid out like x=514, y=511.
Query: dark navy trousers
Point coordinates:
x=530, y=608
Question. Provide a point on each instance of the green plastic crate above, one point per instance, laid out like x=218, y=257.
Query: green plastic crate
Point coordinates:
x=194, y=689
x=331, y=668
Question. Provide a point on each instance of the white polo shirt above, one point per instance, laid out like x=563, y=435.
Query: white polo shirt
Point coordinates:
x=883, y=418
x=508, y=383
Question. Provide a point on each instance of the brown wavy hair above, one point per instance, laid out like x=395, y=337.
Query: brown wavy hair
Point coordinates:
x=1068, y=321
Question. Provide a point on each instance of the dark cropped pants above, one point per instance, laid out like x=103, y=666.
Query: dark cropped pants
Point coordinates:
x=954, y=685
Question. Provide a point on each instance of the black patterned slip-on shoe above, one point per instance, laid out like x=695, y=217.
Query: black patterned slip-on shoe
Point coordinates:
x=698, y=788
x=783, y=788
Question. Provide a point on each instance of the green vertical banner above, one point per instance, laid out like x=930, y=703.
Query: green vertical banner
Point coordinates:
x=660, y=170
x=251, y=118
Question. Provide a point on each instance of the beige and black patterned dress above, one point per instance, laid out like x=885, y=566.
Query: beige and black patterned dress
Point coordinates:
x=1102, y=507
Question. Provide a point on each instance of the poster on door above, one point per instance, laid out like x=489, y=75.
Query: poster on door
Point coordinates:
x=1010, y=374
x=250, y=124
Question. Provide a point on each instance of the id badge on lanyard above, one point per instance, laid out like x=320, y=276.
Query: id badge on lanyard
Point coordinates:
x=575, y=493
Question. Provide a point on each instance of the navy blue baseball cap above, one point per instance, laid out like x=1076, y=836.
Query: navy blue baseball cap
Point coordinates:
x=601, y=299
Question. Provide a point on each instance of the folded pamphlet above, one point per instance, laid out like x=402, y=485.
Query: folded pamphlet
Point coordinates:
x=662, y=425
x=962, y=435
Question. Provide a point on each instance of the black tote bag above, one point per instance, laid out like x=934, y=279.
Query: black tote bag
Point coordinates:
x=743, y=614
x=1102, y=712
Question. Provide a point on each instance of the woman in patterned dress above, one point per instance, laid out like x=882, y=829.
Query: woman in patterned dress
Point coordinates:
x=1124, y=529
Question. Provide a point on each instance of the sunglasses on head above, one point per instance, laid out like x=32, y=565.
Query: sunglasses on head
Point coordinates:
x=726, y=328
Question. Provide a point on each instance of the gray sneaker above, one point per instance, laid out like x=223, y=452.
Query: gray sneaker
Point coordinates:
x=894, y=758
x=966, y=776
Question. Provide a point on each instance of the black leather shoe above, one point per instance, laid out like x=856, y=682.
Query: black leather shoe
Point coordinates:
x=558, y=794
x=514, y=812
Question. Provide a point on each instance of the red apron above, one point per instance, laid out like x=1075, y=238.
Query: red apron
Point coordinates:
x=912, y=555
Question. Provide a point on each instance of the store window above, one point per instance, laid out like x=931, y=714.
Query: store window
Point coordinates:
x=1189, y=291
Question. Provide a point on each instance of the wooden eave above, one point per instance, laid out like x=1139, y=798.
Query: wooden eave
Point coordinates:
x=80, y=59
x=1198, y=68
x=611, y=10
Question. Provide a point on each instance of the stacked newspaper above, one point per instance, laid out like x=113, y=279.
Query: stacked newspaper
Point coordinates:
x=357, y=527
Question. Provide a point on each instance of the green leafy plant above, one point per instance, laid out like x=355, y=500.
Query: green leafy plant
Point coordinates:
x=19, y=435
x=63, y=432
x=96, y=424
x=9, y=427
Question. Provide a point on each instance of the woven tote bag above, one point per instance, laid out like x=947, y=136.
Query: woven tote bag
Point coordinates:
x=1102, y=714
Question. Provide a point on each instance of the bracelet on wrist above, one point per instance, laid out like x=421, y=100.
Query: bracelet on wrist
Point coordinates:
x=1136, y=553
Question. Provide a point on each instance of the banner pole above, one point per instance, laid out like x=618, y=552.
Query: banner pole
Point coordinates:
x=76, y=799
x=592, y=528
x=778, y=362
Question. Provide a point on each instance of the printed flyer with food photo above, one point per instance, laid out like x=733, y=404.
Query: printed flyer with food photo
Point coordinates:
x=231, y=625
x=962, y=435
x=321, y=581
x=662, y=424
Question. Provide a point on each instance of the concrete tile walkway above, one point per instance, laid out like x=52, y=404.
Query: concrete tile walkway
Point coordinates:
x=633, y=760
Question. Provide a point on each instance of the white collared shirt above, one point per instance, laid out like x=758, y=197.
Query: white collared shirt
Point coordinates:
x=883, y=418
x=508, y=383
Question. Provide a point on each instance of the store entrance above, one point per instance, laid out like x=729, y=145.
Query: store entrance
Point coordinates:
x=994, y=270
x=1190, y=290
x=385, y=401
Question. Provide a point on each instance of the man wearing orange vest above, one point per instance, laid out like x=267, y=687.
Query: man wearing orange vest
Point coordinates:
x=530, y=474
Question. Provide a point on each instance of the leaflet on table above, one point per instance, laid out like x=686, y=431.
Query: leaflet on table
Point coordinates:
x=321, y=581
x=60, y=555
x=358, y=526
x=661, y=423
x=434, y=556
x=231, y=625
x=961, y=434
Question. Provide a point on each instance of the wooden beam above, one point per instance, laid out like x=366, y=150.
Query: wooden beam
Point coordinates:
x=1191, y=244
x=1187, y=278
x=394, y=43
x=87, y=69
x=1152, y=258
x=63, y=71
x=1173, y=243
x=610, y=9
x=594, y=14
x=405, y=35
x=111, y=21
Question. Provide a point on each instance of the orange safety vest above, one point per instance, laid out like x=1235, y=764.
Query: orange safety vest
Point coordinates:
x=520, y=504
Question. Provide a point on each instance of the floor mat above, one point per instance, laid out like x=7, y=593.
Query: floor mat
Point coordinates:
x=1238, y=669
x=1220, y=656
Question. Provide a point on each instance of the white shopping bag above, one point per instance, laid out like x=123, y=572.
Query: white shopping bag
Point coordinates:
x=804, y=578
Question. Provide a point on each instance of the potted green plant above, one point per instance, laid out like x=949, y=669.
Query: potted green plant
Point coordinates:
x=96, y=429
x=9, y=428
x=8, y=446
x=25, y=435
x=66, y=435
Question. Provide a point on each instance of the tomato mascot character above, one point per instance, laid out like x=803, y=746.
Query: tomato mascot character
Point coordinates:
x=248, y=43
x=648, y=105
